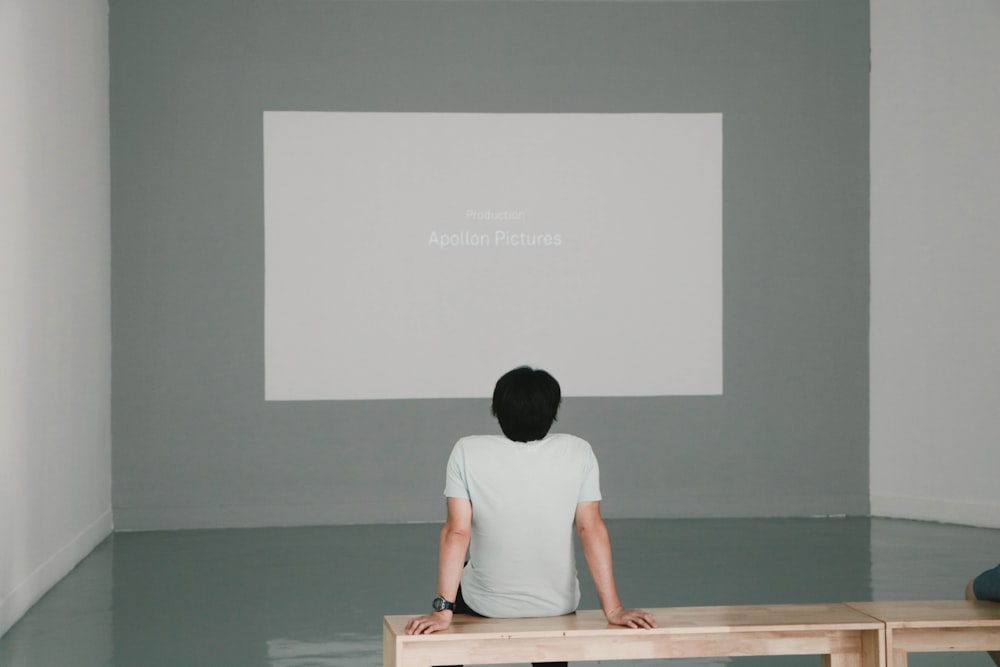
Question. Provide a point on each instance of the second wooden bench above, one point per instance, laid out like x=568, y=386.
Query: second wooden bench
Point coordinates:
x=935, y=626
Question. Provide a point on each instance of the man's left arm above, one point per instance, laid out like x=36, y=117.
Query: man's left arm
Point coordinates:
x=597, y=550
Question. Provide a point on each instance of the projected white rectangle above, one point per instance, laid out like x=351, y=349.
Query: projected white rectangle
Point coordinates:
x=421, y=255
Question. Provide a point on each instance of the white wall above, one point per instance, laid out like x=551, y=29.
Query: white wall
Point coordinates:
x=55, y=340
x=935, y=255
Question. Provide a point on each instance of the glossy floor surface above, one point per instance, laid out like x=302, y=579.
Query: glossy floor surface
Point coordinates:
x=314, y=597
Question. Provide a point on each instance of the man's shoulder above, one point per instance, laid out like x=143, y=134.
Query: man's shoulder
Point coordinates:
x=468, y=440
x=565, y=442
x=478, y=445
x=568, y=440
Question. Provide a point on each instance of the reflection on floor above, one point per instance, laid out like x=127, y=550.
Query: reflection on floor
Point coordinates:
x=298, y=597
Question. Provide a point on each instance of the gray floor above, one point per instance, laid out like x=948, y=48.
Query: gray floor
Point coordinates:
x=301, y=597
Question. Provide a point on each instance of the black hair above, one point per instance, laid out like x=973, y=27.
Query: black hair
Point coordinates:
x=525, y=402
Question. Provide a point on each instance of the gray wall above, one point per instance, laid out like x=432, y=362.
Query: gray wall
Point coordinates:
x=195, y=444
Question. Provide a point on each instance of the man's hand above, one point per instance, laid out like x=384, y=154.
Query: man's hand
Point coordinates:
x=632, y=618
x=435, y=622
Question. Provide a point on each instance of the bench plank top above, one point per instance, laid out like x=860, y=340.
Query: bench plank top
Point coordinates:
x=671, y=620
x=932, y=613
x=845, y=636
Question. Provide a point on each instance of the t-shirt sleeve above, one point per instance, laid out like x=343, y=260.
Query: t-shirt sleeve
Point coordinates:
x=455, y=485
x=590, y=488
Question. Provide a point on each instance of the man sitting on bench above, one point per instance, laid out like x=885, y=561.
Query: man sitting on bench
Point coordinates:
x=513, y=501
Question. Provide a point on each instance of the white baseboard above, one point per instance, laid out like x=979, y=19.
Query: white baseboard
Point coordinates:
x=31, y=589
x=966, y=513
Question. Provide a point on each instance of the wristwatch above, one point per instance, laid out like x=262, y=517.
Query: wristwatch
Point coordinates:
x=440, y=604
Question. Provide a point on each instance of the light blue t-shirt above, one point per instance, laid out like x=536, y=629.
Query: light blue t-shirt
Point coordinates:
x=524, y=497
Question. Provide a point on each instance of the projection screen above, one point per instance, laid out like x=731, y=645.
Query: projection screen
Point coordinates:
x=421, y=255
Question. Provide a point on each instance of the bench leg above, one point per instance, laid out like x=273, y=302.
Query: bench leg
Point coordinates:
x=389, y=658
x=842, y=660
x=851, y=660
x=868, y=652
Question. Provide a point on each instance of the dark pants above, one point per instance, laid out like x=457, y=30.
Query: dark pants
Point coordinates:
x=462, y=608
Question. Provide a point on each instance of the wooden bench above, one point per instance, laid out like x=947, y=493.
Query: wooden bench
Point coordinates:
x=935, y=626
x=844, y=636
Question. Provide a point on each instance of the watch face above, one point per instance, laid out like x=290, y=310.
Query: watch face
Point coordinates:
x=439, y=604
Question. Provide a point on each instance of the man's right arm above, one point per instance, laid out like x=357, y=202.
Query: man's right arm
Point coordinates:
x=452, y=548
